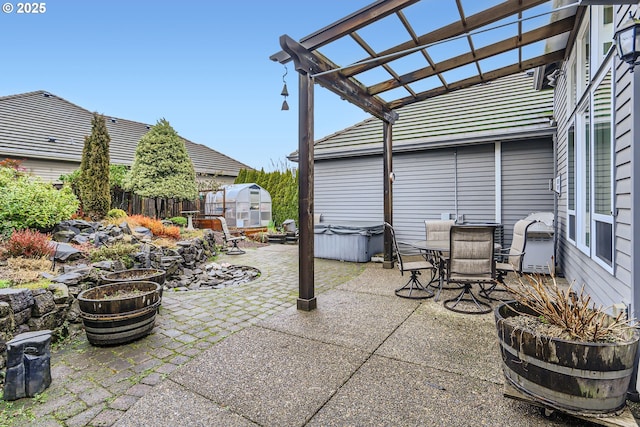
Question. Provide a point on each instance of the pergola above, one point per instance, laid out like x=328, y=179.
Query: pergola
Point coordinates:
x=501, y=38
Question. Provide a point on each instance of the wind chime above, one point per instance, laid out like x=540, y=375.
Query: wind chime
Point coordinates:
x=284, y=92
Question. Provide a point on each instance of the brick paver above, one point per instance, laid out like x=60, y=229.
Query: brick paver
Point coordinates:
x=95, y=385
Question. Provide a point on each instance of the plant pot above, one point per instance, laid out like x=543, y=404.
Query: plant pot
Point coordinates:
x=119, y=313
x=579, y=378
x=135, y=275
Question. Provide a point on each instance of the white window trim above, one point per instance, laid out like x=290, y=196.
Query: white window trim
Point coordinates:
x=598, y=68
x=572, y=123
x=580, y=176
x=602, y=73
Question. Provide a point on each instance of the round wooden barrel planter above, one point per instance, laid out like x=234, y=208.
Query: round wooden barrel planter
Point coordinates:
x=136, y=274
x=119, y=313
x=578, y=378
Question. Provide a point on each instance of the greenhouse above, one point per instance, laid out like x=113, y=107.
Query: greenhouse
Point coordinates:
x=243, y=205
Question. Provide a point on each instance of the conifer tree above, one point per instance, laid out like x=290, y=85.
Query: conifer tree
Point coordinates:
x=162, y=168
x=94, y=187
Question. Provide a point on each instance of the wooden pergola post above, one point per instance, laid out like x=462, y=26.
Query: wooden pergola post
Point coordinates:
x=310, y=67
x=387, y=171
x=306, y=298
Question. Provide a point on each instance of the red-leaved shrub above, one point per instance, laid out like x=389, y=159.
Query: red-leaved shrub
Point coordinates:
x=28, y=244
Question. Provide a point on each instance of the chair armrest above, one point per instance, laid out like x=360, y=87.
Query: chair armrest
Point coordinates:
x=506, y=253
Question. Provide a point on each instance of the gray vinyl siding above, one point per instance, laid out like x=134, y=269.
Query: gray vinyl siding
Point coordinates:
x=349, y=189
x=476, y=183
x=605, y=288
x=423, y=189
x=527, y=167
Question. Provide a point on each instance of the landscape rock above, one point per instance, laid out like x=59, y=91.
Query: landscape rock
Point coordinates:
x=18, y=299
x=43, y=303
x=65, y=252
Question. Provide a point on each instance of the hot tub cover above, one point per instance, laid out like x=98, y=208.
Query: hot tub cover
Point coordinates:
x=360, y=228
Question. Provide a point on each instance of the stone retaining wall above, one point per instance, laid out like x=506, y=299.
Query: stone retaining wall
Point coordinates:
x=55, y=308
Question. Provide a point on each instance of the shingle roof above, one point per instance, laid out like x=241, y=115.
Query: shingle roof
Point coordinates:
x=42, y=125
x=507, y=108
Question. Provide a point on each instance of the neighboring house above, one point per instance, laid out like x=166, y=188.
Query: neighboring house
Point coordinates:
x=47, y=133
x=481, y=154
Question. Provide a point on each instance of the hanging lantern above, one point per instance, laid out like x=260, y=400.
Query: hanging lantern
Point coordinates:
x=627, y=41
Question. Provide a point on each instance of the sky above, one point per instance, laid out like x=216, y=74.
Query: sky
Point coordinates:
x=203, y=65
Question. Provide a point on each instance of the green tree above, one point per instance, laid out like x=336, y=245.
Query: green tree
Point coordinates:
x=95, y=193
x=161, y=167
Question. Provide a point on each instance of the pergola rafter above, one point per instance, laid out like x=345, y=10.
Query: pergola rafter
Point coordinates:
x=455, y=29
x=380, y=99
x=516, y=42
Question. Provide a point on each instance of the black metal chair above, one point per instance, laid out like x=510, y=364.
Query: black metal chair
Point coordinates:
x=413, y=288
x=230, y=241
x=471, y=261
x=509, y=261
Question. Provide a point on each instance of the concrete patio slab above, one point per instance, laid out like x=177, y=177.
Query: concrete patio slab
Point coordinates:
x=171, y=404
x=376, y=280
x=350, y=319
x=387, y=392
x=439, y=338
x=270, y=377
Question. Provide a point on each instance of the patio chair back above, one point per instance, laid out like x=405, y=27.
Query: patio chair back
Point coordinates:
x=471, y=254
x=408, y=257
x=229, y=239
x=438, y=229
x=414, y=264
x=518, y=244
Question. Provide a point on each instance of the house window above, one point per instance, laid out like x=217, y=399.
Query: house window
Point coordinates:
x=603, y=17
x=590, y=159
x=571, y=187
x=602, y=171
x=583, y=61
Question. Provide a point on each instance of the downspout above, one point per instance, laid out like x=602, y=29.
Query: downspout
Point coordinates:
x=556, y=195
x=455, y=184
x=498, y=181
x=634, y=309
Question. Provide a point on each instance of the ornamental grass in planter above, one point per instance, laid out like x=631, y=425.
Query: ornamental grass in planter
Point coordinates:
x=564, y=352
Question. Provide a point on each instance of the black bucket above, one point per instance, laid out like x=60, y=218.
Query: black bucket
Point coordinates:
x=579, y=378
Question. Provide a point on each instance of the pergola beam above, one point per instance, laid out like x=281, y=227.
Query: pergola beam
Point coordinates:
x=487, y=77
x=348, y=24
x=312, y=64
x=473, y=22
x=542, y=33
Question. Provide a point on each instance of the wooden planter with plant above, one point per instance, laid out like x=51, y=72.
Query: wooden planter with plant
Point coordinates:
x=119, y=313
x=562, y=353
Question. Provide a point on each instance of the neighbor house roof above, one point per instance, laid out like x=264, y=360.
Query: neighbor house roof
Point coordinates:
x=44, y=126
x=504, y=109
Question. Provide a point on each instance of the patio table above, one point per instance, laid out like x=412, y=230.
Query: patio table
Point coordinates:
x=433, y=251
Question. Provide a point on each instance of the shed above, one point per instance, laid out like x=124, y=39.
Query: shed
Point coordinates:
x=243, y=205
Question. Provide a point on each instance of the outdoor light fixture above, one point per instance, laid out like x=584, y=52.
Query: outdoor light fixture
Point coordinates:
x=284, y=92
x=627, y=41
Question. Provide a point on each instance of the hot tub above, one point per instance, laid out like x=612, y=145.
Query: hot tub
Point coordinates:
x=348, y=241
